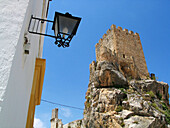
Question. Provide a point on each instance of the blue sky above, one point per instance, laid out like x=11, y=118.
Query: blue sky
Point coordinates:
x=67, y=70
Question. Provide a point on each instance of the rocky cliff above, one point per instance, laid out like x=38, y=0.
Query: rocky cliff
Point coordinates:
x=112, y=101
x=115, y=100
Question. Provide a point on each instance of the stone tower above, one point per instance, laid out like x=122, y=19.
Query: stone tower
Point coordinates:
x=55, y=122
x=113, y=101
x=123, y=48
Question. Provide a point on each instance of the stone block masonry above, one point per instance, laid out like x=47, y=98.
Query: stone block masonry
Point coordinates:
x=55, y=122
x=113, y=100
x=123, y=48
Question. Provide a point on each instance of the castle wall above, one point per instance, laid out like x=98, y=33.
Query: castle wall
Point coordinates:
x=106, y=44
x=16, y=67
x=123, y=47
x=129, y=50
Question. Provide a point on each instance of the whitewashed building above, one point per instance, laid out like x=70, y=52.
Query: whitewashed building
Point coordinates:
x=21, y=67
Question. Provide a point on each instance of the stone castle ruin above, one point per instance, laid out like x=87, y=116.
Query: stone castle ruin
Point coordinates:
x=120, y=93
x=120, y=52
x=123, y=48
x=55, y=122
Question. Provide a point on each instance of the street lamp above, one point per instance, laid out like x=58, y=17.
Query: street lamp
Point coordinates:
x=64, y=25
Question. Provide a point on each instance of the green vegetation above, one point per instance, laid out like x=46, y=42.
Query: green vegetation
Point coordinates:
x=130, y=91
x=121, y=118
x=151, y=94
x=165, y=111
x=167, y=116
x=136, y=122
x=164, y=106
x=119, y=108
x=69, y=126
x=80, y=122
x=88, y=102
x=146, y=98
x=129, y=78
x=98, y=109
x=88, y=105
x=125, y=99
x=88, y=99
x=123, y=90
x=122, y=124
x=156, y=107
x=148, y=77
x=159, y=96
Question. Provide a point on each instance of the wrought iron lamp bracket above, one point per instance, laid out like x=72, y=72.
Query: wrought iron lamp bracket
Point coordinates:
x=36, y=26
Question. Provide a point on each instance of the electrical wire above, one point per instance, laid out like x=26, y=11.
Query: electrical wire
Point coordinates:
x=50, y=102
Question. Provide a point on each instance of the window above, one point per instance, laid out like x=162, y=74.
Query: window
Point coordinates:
x=123, y=55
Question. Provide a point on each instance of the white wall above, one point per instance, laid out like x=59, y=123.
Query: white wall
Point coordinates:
x=17, y=68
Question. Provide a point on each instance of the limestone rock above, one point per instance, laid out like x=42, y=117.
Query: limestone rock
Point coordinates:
x=120, y=92
x=111, y=78
x=105, y=74
x=126, y=114
x=75, y=124
x=131, y=107
x=142, y=122
x=160, y=89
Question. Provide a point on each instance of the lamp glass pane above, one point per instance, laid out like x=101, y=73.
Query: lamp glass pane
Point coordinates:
x=56, y=27
x=67, y=25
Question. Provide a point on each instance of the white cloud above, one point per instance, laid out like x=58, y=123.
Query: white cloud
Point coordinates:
x=38, y=123
x=66, y=112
